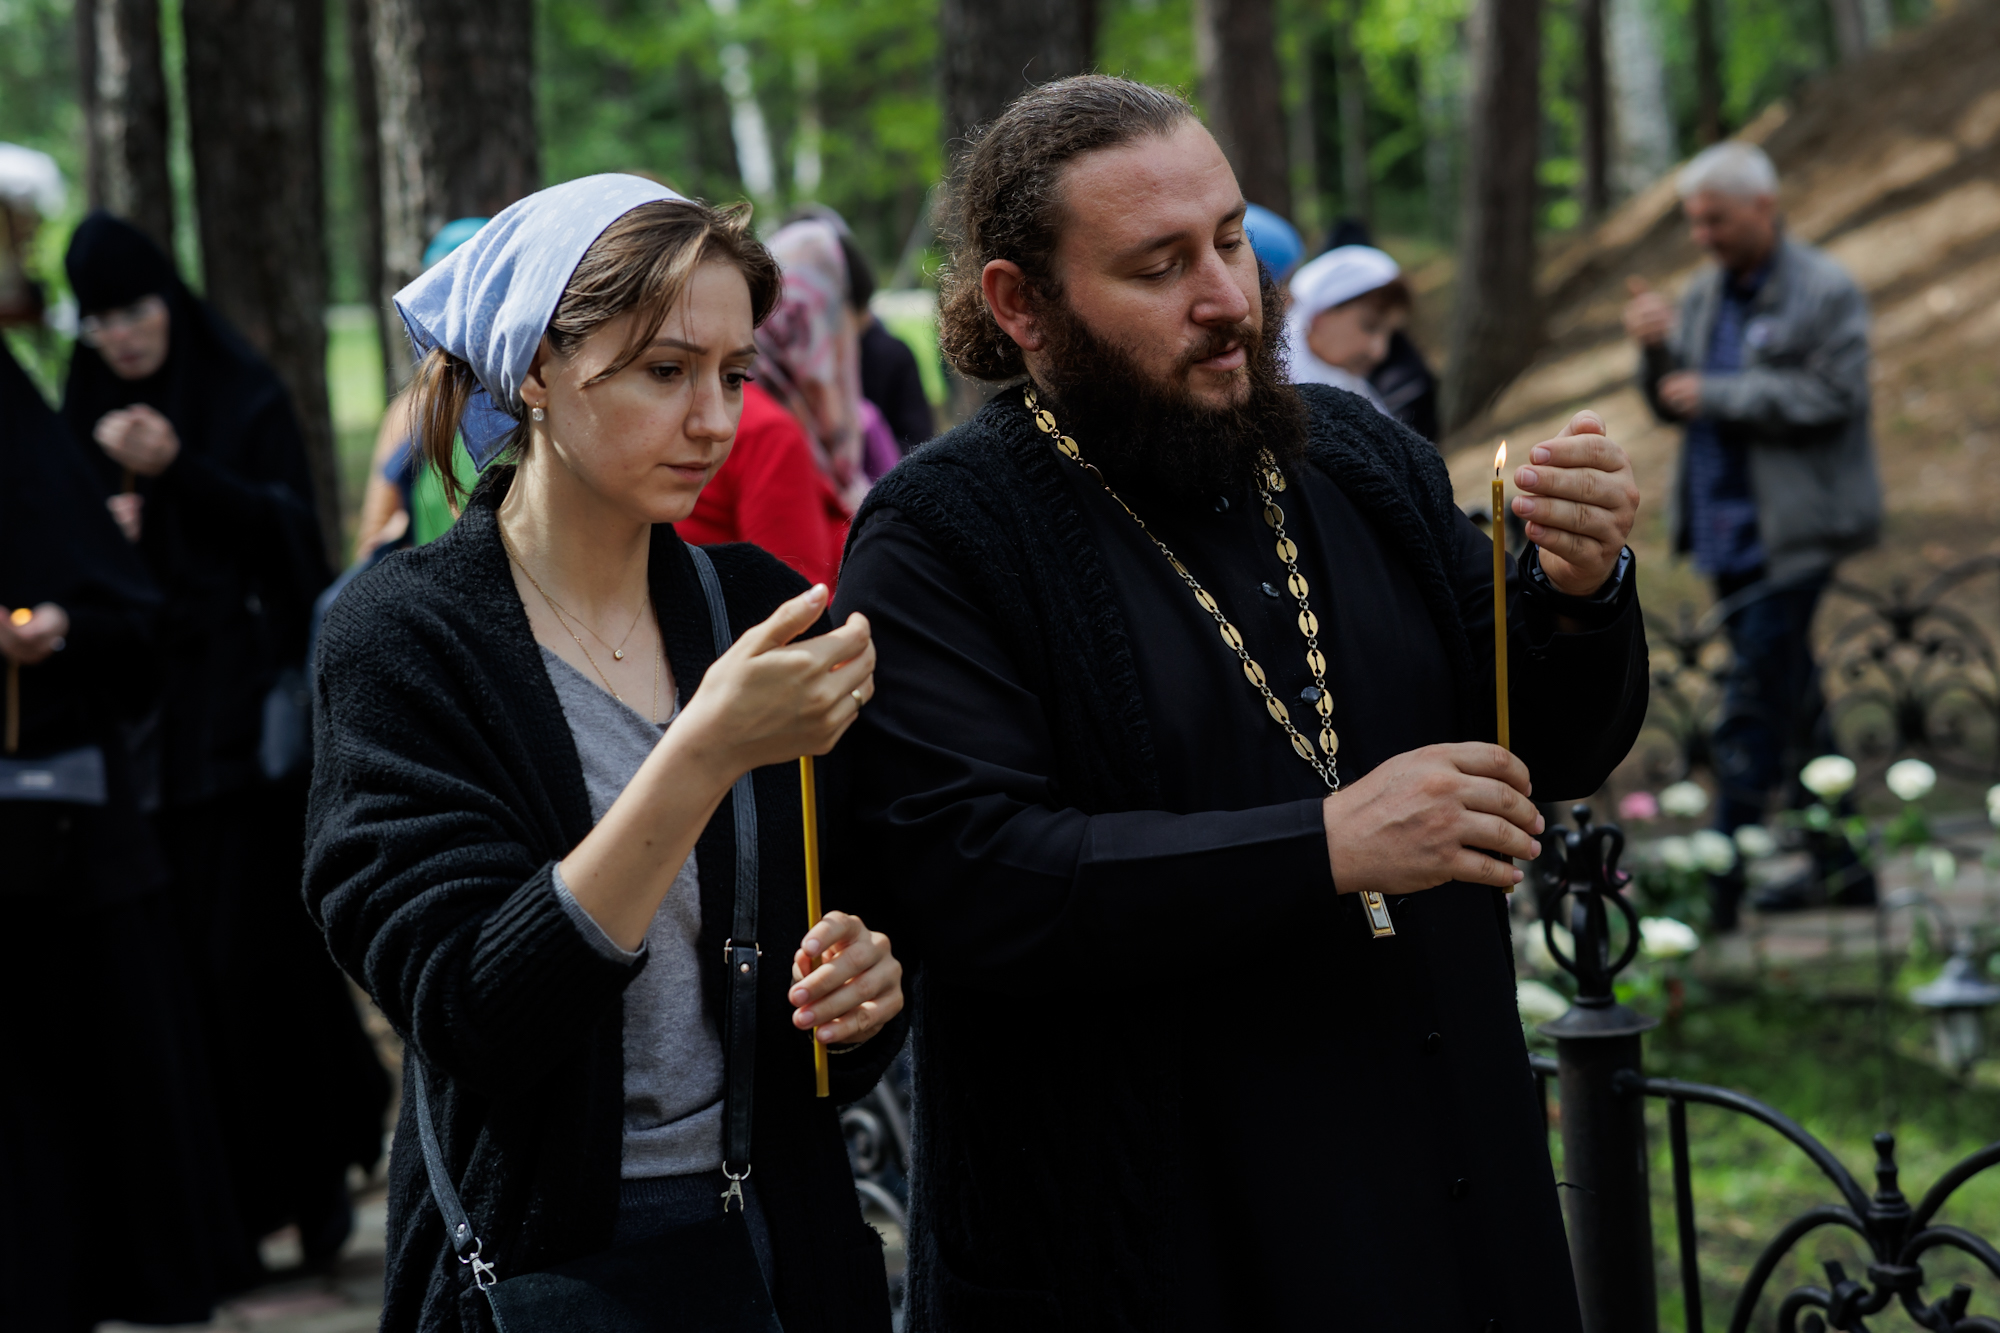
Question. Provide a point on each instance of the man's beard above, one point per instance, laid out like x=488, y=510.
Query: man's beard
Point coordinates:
x=1154, y=435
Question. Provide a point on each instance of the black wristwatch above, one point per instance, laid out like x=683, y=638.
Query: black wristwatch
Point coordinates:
x=1597, y=608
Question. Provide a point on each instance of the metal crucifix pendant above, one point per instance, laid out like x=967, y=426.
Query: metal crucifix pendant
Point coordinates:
x=1376, y=908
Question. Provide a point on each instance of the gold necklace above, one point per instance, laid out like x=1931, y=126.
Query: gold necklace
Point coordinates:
x=653, y=697
x=618, y=653
x=1271, y=480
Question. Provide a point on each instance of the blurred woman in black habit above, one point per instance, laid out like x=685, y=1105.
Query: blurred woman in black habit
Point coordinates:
x=195, y=441
x=107, y=1128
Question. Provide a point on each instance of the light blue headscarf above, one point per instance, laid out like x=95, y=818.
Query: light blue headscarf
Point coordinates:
x=490, y=301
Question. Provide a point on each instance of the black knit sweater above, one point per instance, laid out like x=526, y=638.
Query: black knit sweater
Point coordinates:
x=445, y=788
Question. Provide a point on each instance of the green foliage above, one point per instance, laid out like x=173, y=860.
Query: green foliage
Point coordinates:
x=637, y=85
x=1149, y=40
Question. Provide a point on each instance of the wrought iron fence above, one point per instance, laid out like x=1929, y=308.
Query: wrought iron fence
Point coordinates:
x=878, y=1149
x=1603, y=1091
x=1911, y=670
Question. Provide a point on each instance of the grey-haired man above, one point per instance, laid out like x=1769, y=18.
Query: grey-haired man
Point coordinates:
x=1767, y=364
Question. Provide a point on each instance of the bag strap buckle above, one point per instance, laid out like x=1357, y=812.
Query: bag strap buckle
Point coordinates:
x=735, y=1190
x=484, y=1275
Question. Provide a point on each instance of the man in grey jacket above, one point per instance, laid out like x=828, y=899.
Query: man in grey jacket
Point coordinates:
x=1767, y=364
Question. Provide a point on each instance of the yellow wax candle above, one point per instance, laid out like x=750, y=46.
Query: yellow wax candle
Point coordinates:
x=1500, y=594
x=809, y=798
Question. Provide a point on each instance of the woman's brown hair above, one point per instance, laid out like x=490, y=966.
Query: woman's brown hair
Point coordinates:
x=641, y=263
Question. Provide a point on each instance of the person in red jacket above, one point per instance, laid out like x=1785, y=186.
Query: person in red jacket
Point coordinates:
x=772, y=492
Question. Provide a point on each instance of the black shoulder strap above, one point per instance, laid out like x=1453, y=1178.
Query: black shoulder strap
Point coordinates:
x=739, y=1039
x=740, y=952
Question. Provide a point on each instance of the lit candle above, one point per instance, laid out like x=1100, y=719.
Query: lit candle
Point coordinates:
x=1500, y=594
x=809, y=797
x=21, y=615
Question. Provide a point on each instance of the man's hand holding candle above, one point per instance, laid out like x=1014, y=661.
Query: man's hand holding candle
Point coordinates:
x=1579, y=500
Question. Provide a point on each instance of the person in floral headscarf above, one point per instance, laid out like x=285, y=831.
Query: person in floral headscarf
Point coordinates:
x=797, y=470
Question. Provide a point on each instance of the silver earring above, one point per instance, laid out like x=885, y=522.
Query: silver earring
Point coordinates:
x=536, y=413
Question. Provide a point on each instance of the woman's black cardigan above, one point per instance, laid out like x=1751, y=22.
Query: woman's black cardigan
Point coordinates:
x=445, y=788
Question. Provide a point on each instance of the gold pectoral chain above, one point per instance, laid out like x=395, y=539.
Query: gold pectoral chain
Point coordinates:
x=1272, y=480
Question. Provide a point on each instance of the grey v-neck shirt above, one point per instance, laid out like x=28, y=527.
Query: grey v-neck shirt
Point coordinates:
x=673, y=1053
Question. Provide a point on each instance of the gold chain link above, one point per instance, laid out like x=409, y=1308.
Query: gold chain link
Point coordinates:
x=1288, y=552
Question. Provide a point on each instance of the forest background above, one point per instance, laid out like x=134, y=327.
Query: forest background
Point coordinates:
x=845, y=102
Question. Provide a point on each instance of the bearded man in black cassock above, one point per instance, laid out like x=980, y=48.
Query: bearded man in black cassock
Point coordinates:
x=1137, y=617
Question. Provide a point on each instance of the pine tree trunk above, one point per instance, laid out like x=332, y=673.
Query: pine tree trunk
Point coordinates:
x=256, y=84
x=1305, y=139
x=1357, y=200
x=1707, y=74
x=994, y=50
x=1595, y=194
x=454, y=85
x=1242, y=89
x=1496, y=320
x=124, y=97
x=358, y=28
x=1643, y=146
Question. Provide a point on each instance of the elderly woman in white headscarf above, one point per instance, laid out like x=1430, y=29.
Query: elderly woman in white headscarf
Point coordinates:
x=555, y=791
x=1346, y=305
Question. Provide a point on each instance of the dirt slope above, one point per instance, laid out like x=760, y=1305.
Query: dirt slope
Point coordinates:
x=1893, y=166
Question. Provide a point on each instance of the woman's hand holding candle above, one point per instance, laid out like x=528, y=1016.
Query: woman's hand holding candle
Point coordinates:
x=847, y=982
x=30, y=636
x=1579, y=500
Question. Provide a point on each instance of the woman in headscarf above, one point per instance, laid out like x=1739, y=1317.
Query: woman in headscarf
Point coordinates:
x=555, y=793
x=194, y=437
x=1346, y=306
x=114, y=1200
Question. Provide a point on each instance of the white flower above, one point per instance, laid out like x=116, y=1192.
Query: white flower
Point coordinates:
x=1675, y=853
x=1993, y=805
x=1755, y=842
x=1664, y=937
x=1911, y=779
x=1829, y=777
x=1684, y=799
x=1713, y=851
x=1538, y=1003
x=1941, y=864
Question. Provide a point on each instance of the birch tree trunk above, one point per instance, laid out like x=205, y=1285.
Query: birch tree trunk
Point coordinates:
x=994, y=50
x=256, y=82
x=1242, y=89
x=454, y=86
x=123, y=91
x=1643, y=146
x=1496, y=323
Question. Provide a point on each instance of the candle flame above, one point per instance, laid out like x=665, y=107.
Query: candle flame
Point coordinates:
x=22, y=615
x=1500, y=458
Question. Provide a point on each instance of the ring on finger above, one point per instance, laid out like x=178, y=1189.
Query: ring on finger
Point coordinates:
x=857, y=697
